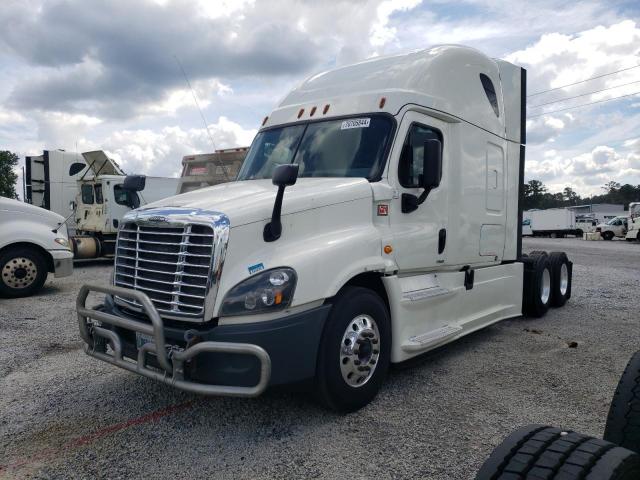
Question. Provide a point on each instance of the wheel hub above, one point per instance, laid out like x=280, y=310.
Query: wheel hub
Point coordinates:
x=19, y=272
x=360, y=350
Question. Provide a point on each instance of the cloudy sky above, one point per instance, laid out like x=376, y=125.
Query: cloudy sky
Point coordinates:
x=104, y=74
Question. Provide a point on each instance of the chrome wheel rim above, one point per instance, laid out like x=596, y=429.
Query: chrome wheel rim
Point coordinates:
x=19, y=272
x=564, y=279
x=545, y=286
x=359, y=351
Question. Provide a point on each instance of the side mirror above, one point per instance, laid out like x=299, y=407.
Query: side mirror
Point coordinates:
x=76, y=168
x=283, y=176
x=134, y=183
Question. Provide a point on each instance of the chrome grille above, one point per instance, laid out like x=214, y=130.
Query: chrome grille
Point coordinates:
x=170, y=263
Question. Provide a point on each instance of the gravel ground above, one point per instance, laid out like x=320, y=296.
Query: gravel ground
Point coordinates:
x=66, y=415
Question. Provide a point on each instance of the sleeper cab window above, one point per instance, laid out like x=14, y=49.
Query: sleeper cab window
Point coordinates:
x=409, y=168
x=490, y=90
x=87, y=194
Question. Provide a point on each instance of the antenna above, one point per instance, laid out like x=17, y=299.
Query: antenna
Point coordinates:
x=204, y=120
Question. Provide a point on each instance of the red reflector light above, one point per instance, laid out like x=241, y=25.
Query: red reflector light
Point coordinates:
x=325, y=109
x=313, y=110
x=383, y=100
x=300, y=112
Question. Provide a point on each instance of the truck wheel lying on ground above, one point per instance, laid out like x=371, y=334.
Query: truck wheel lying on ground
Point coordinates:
x=623, y=422
x=540, y=452
x=23, y=271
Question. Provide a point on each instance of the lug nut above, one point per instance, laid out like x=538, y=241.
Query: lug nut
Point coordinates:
x=360, y=341
x=372, y=361
x=376, y=352
x=364, y=368
x=356, y=362
x=374, y=341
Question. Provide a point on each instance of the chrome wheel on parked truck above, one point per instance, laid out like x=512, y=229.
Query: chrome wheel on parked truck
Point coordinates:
x=354, y=351
x=23, y=271
x=360, y=351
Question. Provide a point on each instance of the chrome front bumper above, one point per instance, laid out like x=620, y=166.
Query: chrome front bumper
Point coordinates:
x=170, y=358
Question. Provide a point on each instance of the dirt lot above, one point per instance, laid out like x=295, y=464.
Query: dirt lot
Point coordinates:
x=63, y=414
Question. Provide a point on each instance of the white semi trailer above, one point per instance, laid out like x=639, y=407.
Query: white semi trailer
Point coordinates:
x=376, y=216
x=554, y=222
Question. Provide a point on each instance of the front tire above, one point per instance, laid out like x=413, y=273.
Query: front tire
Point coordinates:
x=23, y=271
x=355, y=350
x=608, y=235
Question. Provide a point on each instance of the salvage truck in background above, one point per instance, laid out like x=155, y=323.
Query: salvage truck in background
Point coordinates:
x=633, y=233
x=377, y=216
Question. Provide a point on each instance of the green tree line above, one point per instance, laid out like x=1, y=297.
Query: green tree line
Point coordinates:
x=536, y=195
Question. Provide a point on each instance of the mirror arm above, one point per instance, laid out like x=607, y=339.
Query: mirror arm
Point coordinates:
x=273, y=229
x=423, y=195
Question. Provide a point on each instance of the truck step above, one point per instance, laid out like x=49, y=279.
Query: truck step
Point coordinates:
x=420, y=342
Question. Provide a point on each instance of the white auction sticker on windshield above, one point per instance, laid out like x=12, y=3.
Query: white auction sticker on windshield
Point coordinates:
x=355, y=123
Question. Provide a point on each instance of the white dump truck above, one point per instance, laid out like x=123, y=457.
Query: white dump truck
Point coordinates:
x=33, y=242
x=633, y=233
x=377, y=216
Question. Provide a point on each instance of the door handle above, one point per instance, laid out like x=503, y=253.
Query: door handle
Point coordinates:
x=442, y=240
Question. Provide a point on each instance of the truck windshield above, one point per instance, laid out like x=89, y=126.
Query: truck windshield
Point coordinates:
x=352, y=147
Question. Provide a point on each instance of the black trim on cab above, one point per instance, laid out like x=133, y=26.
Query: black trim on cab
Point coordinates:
x=523, y=140
x=47, y=185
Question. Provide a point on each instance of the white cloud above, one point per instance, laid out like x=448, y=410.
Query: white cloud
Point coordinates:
x=381, y=32
x=159, y=153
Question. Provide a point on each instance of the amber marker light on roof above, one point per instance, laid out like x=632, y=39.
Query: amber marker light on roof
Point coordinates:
x=325, y=109
x=300, y=112
x=265, y=120
x=383, y=100
x=388, y=249
x=313, y=110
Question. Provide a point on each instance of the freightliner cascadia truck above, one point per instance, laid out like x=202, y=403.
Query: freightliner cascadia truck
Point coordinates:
x=376, y=216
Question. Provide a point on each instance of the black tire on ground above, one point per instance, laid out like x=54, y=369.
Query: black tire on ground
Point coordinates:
x=623, y=422
x=561, y=277
x=332, y=387
x=608, y=235
x=535, y=301
x=23, y=271
x=537, y=452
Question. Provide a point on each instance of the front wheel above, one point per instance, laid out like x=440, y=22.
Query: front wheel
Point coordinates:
x=23, y=271
x=608, y=235
x=354, y=351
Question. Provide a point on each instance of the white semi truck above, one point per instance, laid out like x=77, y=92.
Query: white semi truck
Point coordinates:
x=633, y=233
x=376, y=216
x=102, y=200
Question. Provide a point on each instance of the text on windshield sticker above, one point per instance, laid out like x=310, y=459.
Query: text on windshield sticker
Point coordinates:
x=355, y=123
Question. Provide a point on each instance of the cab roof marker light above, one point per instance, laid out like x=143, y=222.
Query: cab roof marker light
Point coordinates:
x=300, y=112
x=265, y=120
x=313, y=110
x=383, y=100
x=325, y=109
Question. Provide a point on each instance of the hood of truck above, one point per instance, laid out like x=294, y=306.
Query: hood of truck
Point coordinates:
x=252, y=200
x=15, y=207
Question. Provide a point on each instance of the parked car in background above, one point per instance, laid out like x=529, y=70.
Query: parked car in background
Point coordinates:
x=33, y=242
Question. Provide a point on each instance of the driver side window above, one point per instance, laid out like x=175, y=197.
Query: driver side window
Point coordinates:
x=409, y=170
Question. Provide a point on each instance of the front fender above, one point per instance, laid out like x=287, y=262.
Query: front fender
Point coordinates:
x=326, y=246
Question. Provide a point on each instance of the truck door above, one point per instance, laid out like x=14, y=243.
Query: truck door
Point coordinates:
x=420, y=236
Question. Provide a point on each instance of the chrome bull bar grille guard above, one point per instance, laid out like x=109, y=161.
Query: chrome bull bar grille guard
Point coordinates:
x=170, y=358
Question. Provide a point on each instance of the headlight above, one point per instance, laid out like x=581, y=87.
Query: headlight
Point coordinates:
x=267, y=291
x=62, y=241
